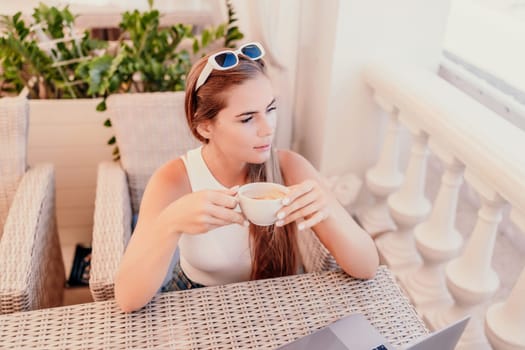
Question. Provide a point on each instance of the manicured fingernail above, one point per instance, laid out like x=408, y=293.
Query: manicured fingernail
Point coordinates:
x=286, y=200
x=280, y=215
x=279, y=223
x=246, y=223
x=300, y=227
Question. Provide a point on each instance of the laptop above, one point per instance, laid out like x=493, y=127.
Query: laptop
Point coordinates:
x=354, y=332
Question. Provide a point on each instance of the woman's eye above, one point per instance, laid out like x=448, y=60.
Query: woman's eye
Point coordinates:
x=271, y=109
x=246, y=120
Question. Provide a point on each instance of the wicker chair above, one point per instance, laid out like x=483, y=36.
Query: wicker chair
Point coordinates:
x=31, y=266
x=151, y=129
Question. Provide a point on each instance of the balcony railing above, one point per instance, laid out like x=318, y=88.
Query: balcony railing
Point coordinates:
x=444, y=275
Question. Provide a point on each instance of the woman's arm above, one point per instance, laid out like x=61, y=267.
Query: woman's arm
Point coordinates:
x=167, y=210
x=351, y=246
x=153, y=243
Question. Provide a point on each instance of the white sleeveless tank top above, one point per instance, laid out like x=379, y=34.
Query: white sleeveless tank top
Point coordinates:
x=219, y=256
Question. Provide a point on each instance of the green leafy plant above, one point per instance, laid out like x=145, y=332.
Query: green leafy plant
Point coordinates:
x=44, y=57
x=232, y=31
x=149, y=58
x=52, y=61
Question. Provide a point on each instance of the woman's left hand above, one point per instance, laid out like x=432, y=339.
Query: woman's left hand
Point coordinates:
x=307, y=201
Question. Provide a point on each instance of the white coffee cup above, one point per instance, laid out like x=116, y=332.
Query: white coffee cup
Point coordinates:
x=260, y=201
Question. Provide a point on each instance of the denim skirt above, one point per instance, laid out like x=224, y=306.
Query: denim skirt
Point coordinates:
x=179, y=281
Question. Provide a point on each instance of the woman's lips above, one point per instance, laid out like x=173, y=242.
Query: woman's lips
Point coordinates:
x=263, y=147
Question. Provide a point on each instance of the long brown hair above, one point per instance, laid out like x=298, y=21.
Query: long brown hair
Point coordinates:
x=274, y=249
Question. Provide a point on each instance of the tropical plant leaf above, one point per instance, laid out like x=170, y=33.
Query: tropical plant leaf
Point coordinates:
x=153, y=58
x=102, y=106
x=26, y=50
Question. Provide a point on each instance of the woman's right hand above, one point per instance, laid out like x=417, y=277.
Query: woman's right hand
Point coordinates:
x=202, y=211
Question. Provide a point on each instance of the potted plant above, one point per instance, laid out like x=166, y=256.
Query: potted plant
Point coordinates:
x=68, y=74
x=152, y=59
x=44, y=57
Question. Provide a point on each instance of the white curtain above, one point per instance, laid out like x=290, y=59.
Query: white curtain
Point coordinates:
x=275, y=24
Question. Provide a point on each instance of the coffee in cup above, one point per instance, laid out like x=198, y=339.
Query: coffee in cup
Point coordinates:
x=260, y=201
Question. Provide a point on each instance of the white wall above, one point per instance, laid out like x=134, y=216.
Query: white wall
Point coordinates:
x=70, y=134
x=340, y=126
x=314, y=80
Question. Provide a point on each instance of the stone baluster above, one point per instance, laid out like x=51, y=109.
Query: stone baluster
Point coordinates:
x=470, y=278
x=408, y=206
x=384, y=177
x=505, y=322
x=437, y=239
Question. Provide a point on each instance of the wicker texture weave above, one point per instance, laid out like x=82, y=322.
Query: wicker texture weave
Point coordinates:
x=151, y=129
x=31, y=267
x=314, y=255
x=111, y=229
x=260, y=314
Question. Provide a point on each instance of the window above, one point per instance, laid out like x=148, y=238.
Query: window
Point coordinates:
x=486, y=38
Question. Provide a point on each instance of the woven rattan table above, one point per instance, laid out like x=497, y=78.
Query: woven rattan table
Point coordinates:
x=257, y=314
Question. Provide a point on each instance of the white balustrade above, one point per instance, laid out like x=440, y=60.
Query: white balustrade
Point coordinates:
x=463, y=133
x=470, y=278
x=505, y=321
x=518, y=219
x=408, y=206
x=384, y=178
x=437, y=239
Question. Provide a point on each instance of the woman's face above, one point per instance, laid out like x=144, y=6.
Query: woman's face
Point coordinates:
x=244, y=130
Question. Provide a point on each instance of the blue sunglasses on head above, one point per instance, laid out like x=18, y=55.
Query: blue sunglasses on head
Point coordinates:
x=228, y=59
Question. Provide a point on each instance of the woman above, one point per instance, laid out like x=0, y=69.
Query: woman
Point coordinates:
x=190, y=202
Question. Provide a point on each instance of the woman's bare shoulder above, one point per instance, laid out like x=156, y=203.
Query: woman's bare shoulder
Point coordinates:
x=295, y=167
x=289, y=155
x=167, y=184
x=170, y=181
